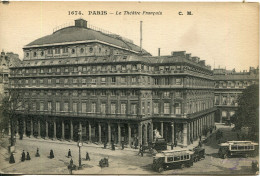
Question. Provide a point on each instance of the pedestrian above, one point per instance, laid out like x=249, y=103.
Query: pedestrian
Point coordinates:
x=191, y=140
x=142, y=152
x=113, y=146
x=51, y=154
x=71, y=162
x=136, y=144
x=200, y=144
x=200, y=137
x=175, y=143
x=23, y=156
x=28, y=156
x=37, y=153
x=123, y=145
x=172, y=145
x=11, y=160
x=69, y=153
x=105, y=145
x=87, y=156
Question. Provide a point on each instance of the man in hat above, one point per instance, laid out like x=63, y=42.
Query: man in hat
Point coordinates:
x=105, y=145
x=123, y=145
x=37, y=153
x=172, y=146
x=113, y=146
x=51, y=154
x=28, y=156
x=11, y=160
x=23, y=156
x=69, y=153
x=87, y=156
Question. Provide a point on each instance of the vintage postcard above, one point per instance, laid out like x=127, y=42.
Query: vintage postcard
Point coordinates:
x=129, y=88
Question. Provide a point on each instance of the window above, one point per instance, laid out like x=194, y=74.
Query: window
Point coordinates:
x=113, y=93
x=123, y=93
x=156, y=108
x=94, y=80
x=34, y=54
x=66, y=107
x=57, y=51
x=41, y=106
x=42, y=53
x=49, y=81
x=123, y=108
x=57, y=81
x=123, y=67
x=148, y=107
x=73, y=51
x=75, y=107
x=42, y=71
x=133, y=109
x=41, y=81
x=99, y=50
x=58, y=70
x=143, y=107
x=90, y=49
x=27, y=54
x=103, y=108
x=166, y=94
x=82, y=50
x=57, y=106
x=84, y=107
x=65, y=50
x=133, y=79
x=169, y=159
x=178, y=81
x=83, y=81
x=113, y=108
x=134, y=67
x=93, y=107
x=103, y=80
x=167, y=81
x=75, y=81
x=66, y=70
x=66, y=81
x=166, y=108
x=177, y=108
x=113, y=79
x=75, y=69
x=156, y=81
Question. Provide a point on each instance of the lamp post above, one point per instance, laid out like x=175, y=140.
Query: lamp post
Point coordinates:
x=80, y=145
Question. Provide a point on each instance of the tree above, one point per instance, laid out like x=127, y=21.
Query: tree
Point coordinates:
x=247, y=114
x=8, y=108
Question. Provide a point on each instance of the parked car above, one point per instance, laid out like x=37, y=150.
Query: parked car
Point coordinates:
x=238, y=148
x=199, y=153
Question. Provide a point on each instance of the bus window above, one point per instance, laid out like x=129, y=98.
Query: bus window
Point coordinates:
x=181, y=157
x=240, y=147
x=188, y=156
x=169, y=159
x=176, y=158
x=185, y=157
x=246, y=148
x=233, y=147
x=251, y=147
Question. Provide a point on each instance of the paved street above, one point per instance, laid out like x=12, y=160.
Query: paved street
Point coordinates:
x=120, y=161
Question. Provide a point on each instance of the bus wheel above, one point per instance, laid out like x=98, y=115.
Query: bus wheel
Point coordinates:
x=160, y=169
x=182, y=166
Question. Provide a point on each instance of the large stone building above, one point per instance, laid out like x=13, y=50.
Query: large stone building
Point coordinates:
x=110, y=89
x=7, y=60
x=229, y=84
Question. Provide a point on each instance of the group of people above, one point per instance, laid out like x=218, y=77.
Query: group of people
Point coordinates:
x=113, y=147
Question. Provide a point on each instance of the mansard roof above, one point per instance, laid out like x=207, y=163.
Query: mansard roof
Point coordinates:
x=78, y=35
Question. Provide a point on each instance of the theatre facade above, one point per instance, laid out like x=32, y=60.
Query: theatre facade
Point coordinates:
x=110, y=89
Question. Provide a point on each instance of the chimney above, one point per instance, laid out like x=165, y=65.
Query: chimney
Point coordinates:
x=188, y=56
x=81, y=23
x=159, y=51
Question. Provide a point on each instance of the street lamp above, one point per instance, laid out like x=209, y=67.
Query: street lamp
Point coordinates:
x=80, y=145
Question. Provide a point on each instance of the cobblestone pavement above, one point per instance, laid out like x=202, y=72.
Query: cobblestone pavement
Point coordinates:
x=120, y=161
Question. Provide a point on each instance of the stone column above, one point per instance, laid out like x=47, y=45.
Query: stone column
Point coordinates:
x=71, y=130
x=191, y=131
x=89, y=132
x=99, y=133
x=17, y=127
x=188, y=133
x=151, y=137
x=47, y=130
x=184, y=134
x=39, y=128
x=54, y=129
x=145, y=134
x=140, y=133
x=197, y=129
x=162, y=129
x=62, y=130
x=24, y=128
x=31, y=134
x=173, y=137
x=129, y=135
x=109, y=133
x=80, y=129
x=119, y=133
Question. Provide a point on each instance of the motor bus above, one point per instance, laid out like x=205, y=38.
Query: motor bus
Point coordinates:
x=238, y=148
x=172, y=159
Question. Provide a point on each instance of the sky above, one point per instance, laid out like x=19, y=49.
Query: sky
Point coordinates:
x=223, y=34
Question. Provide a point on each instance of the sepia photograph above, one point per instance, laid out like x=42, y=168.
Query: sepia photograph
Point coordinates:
x=129, y=88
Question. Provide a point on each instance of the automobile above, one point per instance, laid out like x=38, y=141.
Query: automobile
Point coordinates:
x=104, y=162
x=237, y=148
x=159, y=145
x=199, y=154
x=172, y=159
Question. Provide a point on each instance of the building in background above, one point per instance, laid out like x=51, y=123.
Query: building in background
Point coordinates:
x=83, y=79
x=229, y=84
x=7, y=60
